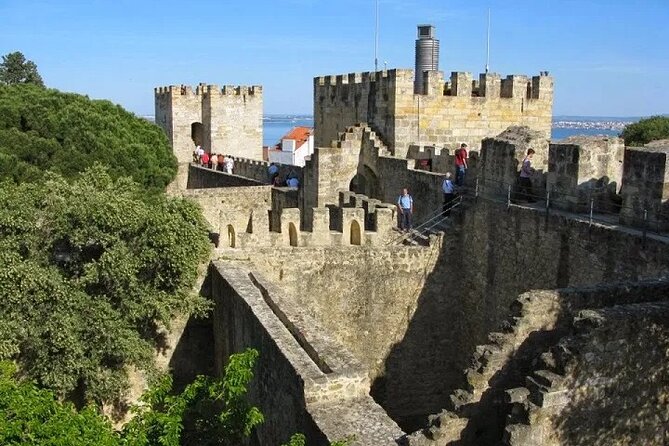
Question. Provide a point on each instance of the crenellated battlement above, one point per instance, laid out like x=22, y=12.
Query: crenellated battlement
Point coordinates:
x=227, y=118
x=448, y=111
x=364, y=77
x=460, y=83
x=208, y=89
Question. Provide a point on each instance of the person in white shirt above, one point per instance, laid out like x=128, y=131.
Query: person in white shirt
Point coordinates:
x=229, y=164
x=197, y=153
x=449, y=194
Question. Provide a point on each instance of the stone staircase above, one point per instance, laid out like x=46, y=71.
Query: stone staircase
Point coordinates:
x=361, y=133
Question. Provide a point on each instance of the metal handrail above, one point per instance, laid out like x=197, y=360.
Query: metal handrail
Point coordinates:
x=420, y=229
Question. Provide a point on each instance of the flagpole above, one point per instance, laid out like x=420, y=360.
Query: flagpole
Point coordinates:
x=487, y=59
x=376, y=39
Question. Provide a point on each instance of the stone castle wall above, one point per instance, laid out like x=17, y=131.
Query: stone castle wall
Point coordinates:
x=585, y=168
x=305, y=381
x=450, y=113
x=352, y=311
x=231, y=119
x=609, y=371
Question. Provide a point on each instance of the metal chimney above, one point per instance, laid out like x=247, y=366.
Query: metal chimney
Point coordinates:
x=427, y=56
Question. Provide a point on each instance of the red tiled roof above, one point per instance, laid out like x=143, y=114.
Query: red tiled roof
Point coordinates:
x=299, y=134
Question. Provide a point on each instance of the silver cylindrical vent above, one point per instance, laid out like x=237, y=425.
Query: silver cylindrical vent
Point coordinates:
x=427, y=56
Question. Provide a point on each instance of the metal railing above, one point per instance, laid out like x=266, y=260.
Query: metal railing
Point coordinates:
x=433, y=220
x=598, y=204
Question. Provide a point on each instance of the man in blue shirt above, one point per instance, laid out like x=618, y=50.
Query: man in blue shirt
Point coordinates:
x=405, y=207
x=449, y=194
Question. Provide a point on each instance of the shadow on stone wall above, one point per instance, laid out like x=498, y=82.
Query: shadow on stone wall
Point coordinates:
x=495, y=255
x=194, y=353
x=619, y=383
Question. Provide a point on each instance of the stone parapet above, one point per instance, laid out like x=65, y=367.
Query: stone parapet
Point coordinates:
x=307, y=373
x=581, y=169
x=645, y=187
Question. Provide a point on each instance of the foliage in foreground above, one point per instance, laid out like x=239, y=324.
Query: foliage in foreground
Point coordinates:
x=646, y=130
x=47, y=130
x=29, y=415
x=208, y=412
x=88, y=270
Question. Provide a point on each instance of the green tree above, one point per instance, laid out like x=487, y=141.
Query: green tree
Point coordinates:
x=33, y=416
x=646, y=130
x=15, y=69
x=207, y=412
x=45, y=130
x=88, y=271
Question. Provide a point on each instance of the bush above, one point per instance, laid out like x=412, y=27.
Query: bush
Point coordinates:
x=46, y=130
x=208, y=412
x=645, y=131
x=88, y=270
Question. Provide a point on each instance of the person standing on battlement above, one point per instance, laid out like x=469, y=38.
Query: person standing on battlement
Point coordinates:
x=197, y=154
x=449, y=194
x=272, y=172
x=214, y=161
x=524, y=180
x=405, y=208
x=461, y=156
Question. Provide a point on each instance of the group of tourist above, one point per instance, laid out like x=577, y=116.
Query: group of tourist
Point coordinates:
x=405, y=203
x=291, y=180
x=213, y=161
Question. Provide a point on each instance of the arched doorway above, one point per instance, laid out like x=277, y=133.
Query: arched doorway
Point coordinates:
x=356, y=233
x=197, y=133
x=292, y=234
x=365, y=182
x=231, y=236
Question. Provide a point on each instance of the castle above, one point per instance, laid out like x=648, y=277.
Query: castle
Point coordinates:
x=510, y=323
x=227, y=119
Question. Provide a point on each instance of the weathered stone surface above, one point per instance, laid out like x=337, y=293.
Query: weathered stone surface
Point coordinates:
x=449, y=114
x=229, y=119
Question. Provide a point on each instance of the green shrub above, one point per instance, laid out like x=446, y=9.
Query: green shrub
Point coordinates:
x=47, y=130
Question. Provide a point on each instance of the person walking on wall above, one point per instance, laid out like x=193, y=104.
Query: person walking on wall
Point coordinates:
x=405, y=208
x=461, y=165
x=524, y=180
x=229, y=164
x=449, y=194
x=214, y=161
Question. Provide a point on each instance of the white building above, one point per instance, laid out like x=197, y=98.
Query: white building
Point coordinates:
x=295, y=146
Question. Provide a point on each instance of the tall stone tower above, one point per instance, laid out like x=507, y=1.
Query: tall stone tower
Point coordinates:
x=227, y=120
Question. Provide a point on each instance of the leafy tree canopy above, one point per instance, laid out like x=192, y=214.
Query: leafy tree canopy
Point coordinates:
x=15, y=69
x=47, y=130
x=88, y=269
x=646, y=130
x=208, y=412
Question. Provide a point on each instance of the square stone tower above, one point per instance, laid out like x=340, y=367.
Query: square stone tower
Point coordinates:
x=227, y=120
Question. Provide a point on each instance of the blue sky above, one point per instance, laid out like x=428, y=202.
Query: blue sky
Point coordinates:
x=609, y=57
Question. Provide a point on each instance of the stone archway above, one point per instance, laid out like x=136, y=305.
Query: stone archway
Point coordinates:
x=356, y=233
x=292, y=234
x=231, y=236
x=366, y=182
x=197, y=133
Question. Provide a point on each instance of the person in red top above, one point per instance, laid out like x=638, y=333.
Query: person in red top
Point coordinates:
x=461, y=164
x=205, y=159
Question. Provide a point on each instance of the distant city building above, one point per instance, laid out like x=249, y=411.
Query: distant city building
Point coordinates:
x=294, y=147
